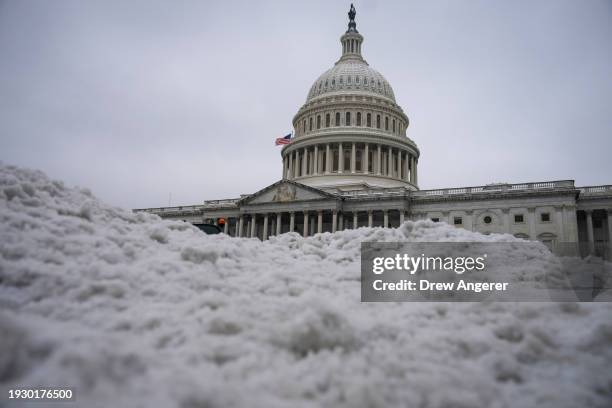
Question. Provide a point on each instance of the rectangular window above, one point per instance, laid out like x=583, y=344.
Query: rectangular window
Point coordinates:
x=457, y=220
x=435, y=219
x=519, y=219
x=358, y=118
x=335, y=160
x=347, y=160
x=327, y=120
x=347, y=119
x=377, y=121
x=318, y=121
x=310, y=124
x=545, y=217
x=369, y=120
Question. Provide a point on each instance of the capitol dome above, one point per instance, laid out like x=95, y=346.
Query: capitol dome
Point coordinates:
x=354, y=76
x=350, y=133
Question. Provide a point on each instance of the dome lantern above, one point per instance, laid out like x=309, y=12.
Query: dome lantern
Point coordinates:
x=351, y=40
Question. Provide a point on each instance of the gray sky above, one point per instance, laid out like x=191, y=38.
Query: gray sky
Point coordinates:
x=137, y=99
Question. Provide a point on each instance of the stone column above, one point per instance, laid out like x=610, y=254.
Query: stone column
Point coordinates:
x=591, y=236
x=571, y=224
x=305, y=224
x=265, y=228
x=226, y=226
x=402, y=216
x=366, y=158
x=279, y=224
x=378, y=161
x=386, y=218
x=316, y=160
x=319, y=221
x=355, y=219
x=340, y=158
x=416, y=173
x=327, y=159
x=399, y=164
x=532, y=232
x=334, y=220
x=560, y=223
x=370, y=219
x=304, y=162
x=389, y=162
x=290, y=169
x=253, y=225
x=240, y=226
x=291, y=221
x=341, y=221
x=353, y=158
x=610, y=232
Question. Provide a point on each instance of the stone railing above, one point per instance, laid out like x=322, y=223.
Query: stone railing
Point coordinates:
x=229, y=202
x=388, y=192
x=171, y=210
x=496, y=188
x=589, y=191
x=191, y=209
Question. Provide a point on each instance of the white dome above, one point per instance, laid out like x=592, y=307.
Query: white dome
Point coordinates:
x=354, y=76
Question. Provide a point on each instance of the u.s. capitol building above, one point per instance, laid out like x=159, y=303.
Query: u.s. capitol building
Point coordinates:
x=351, y=164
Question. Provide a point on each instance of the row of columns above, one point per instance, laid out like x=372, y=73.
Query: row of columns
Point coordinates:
x=292, y=165
x=591, y=232
x=338, y=222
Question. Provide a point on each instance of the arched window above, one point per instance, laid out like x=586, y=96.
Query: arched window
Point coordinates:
x=347, y=119
x=327, y=120
x=358, y=118
x=304, y=126
x=377, y=121
x=369, y=120
x=365, y=81
x=393, y=125
x=386, y=123
x=318, y=121
x=310, y=124
x=337, y=118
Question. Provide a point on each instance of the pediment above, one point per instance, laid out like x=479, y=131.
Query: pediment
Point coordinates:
x=286, y=191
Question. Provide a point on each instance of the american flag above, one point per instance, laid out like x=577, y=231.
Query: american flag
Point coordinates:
x=283, y=140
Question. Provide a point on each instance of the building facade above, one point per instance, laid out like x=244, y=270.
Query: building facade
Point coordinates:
x=351, y=164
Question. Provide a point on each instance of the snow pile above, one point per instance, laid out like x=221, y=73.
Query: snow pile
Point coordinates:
x=134, y=311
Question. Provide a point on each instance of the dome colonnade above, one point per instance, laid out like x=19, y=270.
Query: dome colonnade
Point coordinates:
x=351, y=131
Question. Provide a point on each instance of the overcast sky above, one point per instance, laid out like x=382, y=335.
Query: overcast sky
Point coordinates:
x=139, y=99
